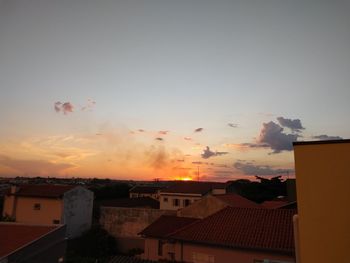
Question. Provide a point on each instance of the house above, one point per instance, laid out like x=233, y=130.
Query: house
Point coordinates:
x=145, y=191
x=51, y=204
x=245, y=235
x=211, y=204
x=182, y=194
x=322, y=179
x=32, y=243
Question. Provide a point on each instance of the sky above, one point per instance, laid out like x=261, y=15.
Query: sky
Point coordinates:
x=146, y=89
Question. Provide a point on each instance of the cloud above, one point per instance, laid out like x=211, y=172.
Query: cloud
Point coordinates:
x=158, y=157
x=163, y=132
x=159, y=139
x=207, y=153
x=141, y=130
x=187, y=138
x=89, y=106
x=34, y=167
x=272, y=135
x=57, y=106
x=65, y=107
x=233, y=125
x=295, y=125
x=249, y=168
x=199, y=130
x=325, y=137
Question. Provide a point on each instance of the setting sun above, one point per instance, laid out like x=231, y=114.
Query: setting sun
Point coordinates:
x=183, y=179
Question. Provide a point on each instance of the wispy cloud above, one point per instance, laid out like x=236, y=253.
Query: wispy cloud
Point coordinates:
x=34, y=167
x=232, y=125
x=163, y=132
x=248, y=168
x=187, y=138
x=207, y=153
x=325, y=137
x=199, y=130
x=159, y=139
x=89, y=105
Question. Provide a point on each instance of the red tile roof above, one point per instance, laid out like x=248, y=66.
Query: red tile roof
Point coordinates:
x=274, y=204
x=201, y=188
x=262, y=229
x=49, y=190
x=13, y=236
x=165, y=225
x=235, y=200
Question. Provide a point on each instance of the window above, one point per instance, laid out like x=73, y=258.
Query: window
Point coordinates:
x=55, y=221
x=187, y=202
x=176, y=202
x=37, y=206
x=165, y=199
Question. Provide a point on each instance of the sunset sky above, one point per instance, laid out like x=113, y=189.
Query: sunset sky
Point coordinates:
x=144, y=89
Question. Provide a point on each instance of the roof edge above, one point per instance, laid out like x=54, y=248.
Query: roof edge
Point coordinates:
x=320, y=142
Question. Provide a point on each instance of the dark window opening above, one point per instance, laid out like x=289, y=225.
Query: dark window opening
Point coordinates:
x=37, y=206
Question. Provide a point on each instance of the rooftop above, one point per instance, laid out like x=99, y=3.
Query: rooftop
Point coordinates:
x=321, y=142
x=191, y=187
x=47, y=190
x=248, y=228
x=14, y=236
x=166, y=225
x=235, y=200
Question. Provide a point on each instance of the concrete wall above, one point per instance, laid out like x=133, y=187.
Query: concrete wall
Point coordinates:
x=323, y=179
x=128, y=222
x=208, y=205
x=125, y=223
x=22, y=209
x=77, y=211
x=166, y=200
x=186, y=252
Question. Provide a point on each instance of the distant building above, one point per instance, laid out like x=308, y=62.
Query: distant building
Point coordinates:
x=51, y=204
x=145, y=191
x=323, y=179
x=21, y=243
x=182, y=194
x=244, y=235
x=211, y=204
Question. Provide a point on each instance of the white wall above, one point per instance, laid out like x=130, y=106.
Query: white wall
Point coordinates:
x=77, y=210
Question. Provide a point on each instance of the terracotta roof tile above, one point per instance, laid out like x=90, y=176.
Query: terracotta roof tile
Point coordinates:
x=266, y=229
x=13, y=236
x=165, y=225
x=235, y=200
x=49, y=190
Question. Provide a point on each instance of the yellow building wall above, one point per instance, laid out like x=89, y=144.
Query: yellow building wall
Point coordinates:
x=323, y=194
x=50, y=209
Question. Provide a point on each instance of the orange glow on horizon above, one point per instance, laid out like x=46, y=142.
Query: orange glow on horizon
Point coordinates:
x=183, y=179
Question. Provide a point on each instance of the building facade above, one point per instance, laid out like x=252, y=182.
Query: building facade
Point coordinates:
x=51, y=204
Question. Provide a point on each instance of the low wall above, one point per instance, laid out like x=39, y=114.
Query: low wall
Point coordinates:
x=125, y=223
